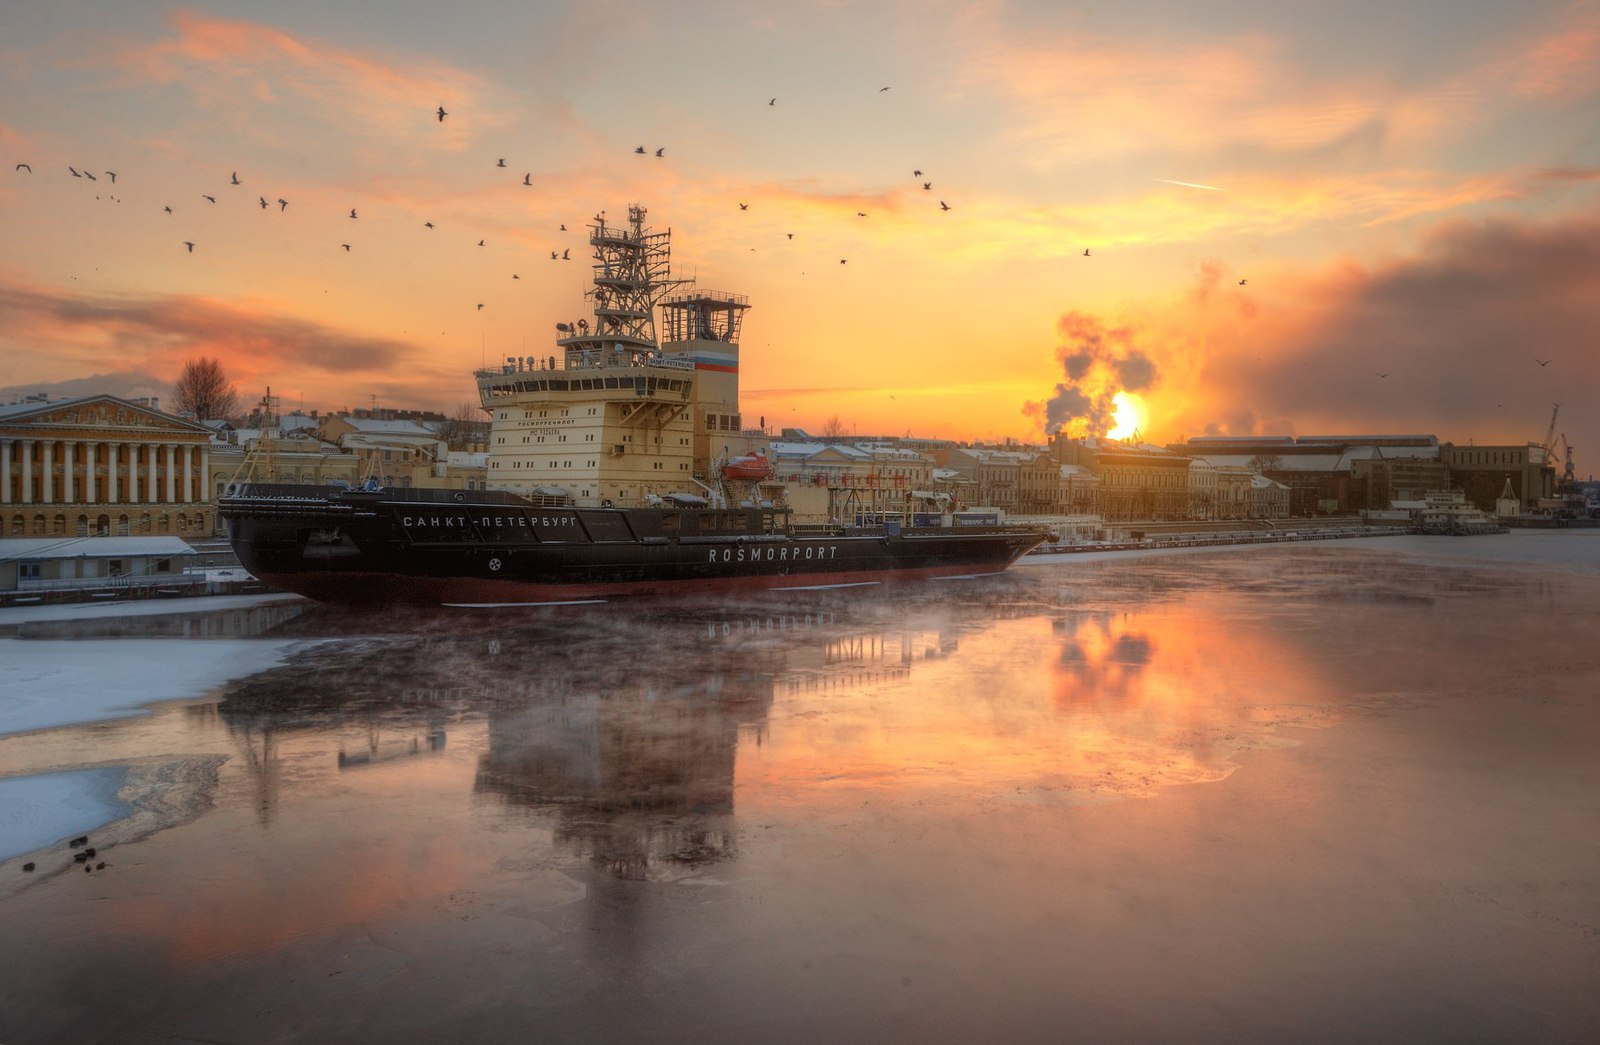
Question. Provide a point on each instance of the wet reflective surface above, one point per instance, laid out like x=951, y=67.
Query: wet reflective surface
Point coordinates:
x=1325, y=793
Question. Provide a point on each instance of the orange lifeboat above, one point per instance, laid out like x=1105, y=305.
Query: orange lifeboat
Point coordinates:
x=747, y=467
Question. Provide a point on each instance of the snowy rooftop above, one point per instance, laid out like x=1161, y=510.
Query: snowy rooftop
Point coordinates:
x=90, y=547
x=373, y=426
x=806, y=451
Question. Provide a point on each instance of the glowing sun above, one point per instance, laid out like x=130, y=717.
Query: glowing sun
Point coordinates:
x=1129, y=415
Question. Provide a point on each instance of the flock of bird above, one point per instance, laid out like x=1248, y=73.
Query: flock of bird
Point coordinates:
x=234, y=181
x=560, y=254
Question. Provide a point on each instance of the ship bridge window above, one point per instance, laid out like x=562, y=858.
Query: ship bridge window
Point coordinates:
x=671, y=522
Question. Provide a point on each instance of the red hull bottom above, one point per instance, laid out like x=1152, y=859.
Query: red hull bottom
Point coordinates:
x=389, y=588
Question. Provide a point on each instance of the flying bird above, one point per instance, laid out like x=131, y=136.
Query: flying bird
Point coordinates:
x=515, y=276
x=791, y=235
x=263, y=200
x=480, y=306
x=554, y=256
x=527, y=179
x=916, y=174
x=236, y=180
x=213, y=199
x=1085, y=251
x=660, y=151
x=74, y=171
x=882, y=89
x=442, y=114
x=943, y=205
x=842, y=260
x=1541, y=362
x=1382, y=375
x=640, y=150
x=861, y=213
x=773, y=101
x=91, y=177
x=352, y=212
x=113, y=176
x=282, y=204
x=427, y=224
x=744, y=206
x=1242, y=282
x=190, y=245
x=927, y=185
x=563, y=228
x=346, y=246
x=167, y=209
x=24, y=167
x=500, y=163
x=566, y=255
x=480, y=243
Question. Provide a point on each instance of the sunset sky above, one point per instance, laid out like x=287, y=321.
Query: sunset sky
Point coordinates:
x=1301, y=218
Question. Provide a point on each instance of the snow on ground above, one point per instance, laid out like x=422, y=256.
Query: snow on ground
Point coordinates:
x=45, y=684
x=141, y=608
x=38, y=810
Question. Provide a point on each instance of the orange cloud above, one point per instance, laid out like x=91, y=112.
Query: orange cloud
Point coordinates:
x=1562, y=64
x=158, y=334
x=1445, y=341
x=226, y=61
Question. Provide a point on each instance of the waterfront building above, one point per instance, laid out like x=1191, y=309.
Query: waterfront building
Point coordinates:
x=1269, y=499
x=1325, y=474
x=1038, y=484
x=1202, y=489
x=1233, y=491
x=101, y=465
x=274, y=456
x=31, y=565
x=1141, y=481
x=994, y=476
x=1078, y=490
x=1391, y=474
x=1481, y=473
x=393, y=451
x=822, y=480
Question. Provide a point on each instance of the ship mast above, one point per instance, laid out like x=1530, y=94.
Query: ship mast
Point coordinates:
x=632, y=273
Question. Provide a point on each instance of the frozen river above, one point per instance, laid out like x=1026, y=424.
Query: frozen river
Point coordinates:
x=1327, y=792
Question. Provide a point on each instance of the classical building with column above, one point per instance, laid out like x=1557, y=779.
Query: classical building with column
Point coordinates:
x=100, y=465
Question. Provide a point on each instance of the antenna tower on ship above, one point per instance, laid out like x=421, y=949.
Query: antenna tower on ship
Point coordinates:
x=632, y=273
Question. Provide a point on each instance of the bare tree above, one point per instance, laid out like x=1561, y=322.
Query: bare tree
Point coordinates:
x=465, y=428
x=833, y=428
x=203, y=390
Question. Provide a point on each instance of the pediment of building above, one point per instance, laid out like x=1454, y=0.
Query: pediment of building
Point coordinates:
x=103, y=412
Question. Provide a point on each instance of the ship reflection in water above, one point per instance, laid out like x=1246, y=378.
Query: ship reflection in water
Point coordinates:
x=637, y=767
x=635, y=737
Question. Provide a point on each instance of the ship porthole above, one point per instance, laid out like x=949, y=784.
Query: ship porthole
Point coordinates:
x=460, y=497
x=494, y=564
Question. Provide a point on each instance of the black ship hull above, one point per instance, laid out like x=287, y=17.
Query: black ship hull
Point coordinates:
x=440, y=547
